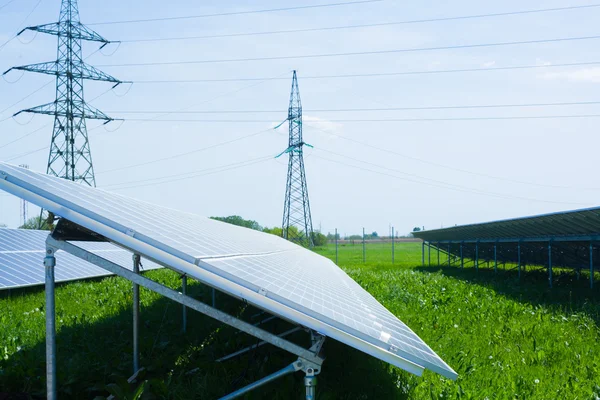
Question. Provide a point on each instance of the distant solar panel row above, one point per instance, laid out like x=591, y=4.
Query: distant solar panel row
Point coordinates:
x=585, y=222
x=22, y=252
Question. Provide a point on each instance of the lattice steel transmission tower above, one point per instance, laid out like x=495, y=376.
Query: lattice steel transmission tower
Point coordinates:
x=297, y=222
x=70, y=156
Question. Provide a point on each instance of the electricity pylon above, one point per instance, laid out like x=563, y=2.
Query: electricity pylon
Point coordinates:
x=70, y=156
x=297, y=222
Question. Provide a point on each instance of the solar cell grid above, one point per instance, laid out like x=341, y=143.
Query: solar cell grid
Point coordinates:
x=22, y=252
x=283, y=272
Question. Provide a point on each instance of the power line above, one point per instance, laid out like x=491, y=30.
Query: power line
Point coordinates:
x=24, y=136
x=534, y=117
x=377, y=74
x=359, y=26
x=455, y=107
x=21, y=24
x=133, y=21
x=444, y=166
x=359, y=53
x=186, y=153
x=186, y=175
x=26, y=97
x=7, y=3
x=447, y=186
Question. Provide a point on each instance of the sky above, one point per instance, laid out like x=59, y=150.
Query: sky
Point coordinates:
x=432, y=168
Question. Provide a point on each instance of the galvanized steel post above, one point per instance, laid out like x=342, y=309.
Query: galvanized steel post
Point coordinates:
x=550, y=264
x=364, y=252
x=392, y=245
x=519, y=258
x=136, y=316
x=476, y=256
x=336, y=247
x=423, y=253
x=495, y=257
x=429, y=253
x=591, y=265
x=184, y=308
x=51, y=384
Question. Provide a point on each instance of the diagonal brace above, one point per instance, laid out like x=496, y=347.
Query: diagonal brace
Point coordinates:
x=189, y=302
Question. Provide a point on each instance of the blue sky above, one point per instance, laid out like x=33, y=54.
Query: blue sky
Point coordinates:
x=432, y=173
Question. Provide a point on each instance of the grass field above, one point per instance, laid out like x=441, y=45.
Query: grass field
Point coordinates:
x=505, y=338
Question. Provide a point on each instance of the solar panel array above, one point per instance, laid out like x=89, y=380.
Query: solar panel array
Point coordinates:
x=22, y=252
x=583, y=222
x=280, y=270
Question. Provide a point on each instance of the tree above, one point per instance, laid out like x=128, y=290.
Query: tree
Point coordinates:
x=239, y=221
x=319, y=239
x=2, y=225
x=416, y=229
x=34, y=223
x=374, y=235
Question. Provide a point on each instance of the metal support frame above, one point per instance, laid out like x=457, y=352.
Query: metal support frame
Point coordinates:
x=184, y=308
x=136, y=316
x=254, y=346
x=429, y=253
x=519, y=258
x=591, y=265
x=495, y=258
x=51, y=384
x=550, y=264
x=423, y=253
x=309, y=360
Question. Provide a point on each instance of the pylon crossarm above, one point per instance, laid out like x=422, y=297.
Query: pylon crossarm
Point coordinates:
x=59, y=109
x=59, y=68
x=77, y=31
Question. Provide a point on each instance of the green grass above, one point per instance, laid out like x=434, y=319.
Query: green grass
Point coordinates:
x=505, y=338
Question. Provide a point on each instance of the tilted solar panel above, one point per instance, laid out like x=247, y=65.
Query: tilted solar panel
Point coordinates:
x=269, y=272
x=22, y=249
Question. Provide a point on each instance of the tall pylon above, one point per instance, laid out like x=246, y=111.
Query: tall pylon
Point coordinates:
x=70, y=155
x=297, y=222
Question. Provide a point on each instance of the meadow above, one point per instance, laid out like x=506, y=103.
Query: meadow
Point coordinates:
x=507, y=339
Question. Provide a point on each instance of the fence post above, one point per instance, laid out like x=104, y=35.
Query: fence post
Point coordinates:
x=336, y=247
x=364, y=252
x=392, y=245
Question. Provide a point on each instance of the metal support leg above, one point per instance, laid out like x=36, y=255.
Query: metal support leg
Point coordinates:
x=310, y=382
x=462, y=259
x=423, y=254
x=51, y=384
x=184, y=308
x=429, y=253
x=519, y=258
x=136, y=316
x=495, y=258
x=476, y=256
x=591, y=265
x=550, y=264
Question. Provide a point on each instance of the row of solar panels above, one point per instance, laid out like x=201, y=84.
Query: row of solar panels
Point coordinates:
x=267, y=271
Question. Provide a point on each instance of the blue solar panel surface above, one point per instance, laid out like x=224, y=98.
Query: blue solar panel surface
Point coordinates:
x=280, y=270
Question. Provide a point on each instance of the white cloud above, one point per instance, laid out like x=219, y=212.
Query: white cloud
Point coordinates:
x=488, y=64
x=590, y=75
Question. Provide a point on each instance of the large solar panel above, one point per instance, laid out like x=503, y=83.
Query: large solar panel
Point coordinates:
x=268, y=271
x=22, y=252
